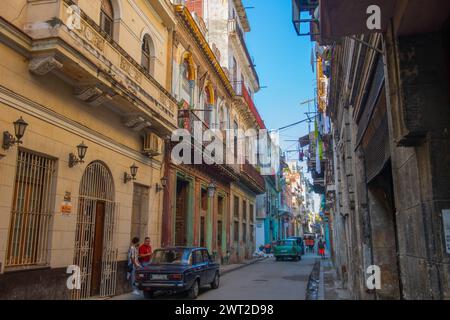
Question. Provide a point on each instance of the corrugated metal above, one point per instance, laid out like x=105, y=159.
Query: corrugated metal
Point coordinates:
x=377, y=151
x=371, y=99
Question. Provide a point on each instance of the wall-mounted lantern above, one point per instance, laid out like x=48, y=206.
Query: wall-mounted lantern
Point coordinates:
x=163, y=184
x=81, y=150
x=211, y=189
x=19, y=130
x=128, y=177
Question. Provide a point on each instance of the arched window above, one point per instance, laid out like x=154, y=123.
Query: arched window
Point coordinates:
x=185, y=77
x=208, y=104
x=221, y=120
x=148, y=55
x=106, y=17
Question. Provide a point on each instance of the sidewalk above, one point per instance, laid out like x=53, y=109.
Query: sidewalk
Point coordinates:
x=330, y=287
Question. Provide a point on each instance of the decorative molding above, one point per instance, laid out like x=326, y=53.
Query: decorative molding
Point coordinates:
x=43, y=65
x=91, y=36
x=136, y=122
x=92, y=95
x=99, y=100
x=132, y=72
x=86, y=93
x=43, y=113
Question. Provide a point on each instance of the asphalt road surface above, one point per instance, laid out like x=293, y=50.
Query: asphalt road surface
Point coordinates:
x=265, y=280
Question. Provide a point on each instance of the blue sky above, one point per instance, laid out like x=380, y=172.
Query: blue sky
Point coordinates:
x=283, y=63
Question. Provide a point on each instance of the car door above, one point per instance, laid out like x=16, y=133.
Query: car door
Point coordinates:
x=199, y=266
x=210, y=269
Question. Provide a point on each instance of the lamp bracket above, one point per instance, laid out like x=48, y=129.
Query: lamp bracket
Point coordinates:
x=9, y=140
x=73, y=160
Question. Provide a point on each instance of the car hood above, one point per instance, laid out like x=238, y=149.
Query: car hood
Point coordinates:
x=164, y=268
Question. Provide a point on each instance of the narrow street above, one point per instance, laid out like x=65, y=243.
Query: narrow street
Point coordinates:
x=264, y=280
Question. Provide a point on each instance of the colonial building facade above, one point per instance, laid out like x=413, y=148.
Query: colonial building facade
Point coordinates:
x=98, y=86
x=389, y=104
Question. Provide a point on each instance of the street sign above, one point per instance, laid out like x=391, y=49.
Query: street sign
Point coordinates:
x=446, y=224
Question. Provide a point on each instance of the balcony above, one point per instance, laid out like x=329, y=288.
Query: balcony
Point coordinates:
x=98, y=68
x=252, y=107
x=237, y=37
x=249, y=171
x=242, y=92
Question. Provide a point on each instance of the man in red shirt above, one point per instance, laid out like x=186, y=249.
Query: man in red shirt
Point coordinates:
x=145, y=252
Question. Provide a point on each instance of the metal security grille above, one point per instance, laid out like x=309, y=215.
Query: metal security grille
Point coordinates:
x=31, y=210
x=96, y=194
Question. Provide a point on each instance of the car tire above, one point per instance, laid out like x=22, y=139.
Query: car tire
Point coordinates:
x=148, y=294
x=216, y=282
x=193, y=291
x=277, y=258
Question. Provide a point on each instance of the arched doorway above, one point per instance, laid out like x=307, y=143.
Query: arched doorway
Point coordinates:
x=95, y=248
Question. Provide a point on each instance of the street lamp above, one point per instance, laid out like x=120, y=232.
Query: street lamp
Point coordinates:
x=81, y=150
x=19, y=130
x=133, y=170
x=211, y=189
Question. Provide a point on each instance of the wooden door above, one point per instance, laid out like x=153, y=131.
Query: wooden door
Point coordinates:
x=98, y=249
x=180, y=219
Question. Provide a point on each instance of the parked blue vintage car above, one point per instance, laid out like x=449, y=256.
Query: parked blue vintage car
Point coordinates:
x=178, y=269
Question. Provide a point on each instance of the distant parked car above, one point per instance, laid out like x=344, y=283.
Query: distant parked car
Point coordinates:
x=287, y=248
x=300, y=243
x=178, y=269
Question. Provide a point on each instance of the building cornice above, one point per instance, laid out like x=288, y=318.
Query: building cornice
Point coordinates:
x=43, y=113
x=186, y=18
x=242, y=14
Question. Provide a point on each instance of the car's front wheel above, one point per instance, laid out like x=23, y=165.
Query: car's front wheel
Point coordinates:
x=148, y=294
x=216, y=281
x=193, y=291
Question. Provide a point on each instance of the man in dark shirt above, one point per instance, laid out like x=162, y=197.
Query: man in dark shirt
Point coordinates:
x=145, y=252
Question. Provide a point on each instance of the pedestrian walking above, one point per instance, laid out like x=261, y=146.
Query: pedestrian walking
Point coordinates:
x=133, y=264
x=145, y=252
x=321, y=247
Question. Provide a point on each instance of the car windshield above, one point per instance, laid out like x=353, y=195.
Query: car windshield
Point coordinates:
x=284, y=243
x=170, y=256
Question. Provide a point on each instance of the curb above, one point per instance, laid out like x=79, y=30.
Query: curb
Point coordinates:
x=243, y=265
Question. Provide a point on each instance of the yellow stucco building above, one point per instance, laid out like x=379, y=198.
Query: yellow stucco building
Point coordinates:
x=98, y=84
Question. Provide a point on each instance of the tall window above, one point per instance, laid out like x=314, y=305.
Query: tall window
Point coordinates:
x=185, y=85
x=236, y=85
x=235, y=145
x=221, y=120
x=202, y=232
x=236, y=219
x=221, y=209
x=207, y=107
x=31, y=210
x=106, y=17
x=252, y=223
x=148, y=55
x=236, y=207
x=204, y=199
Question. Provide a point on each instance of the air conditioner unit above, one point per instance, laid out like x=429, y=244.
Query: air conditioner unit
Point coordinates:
x=152, y=145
